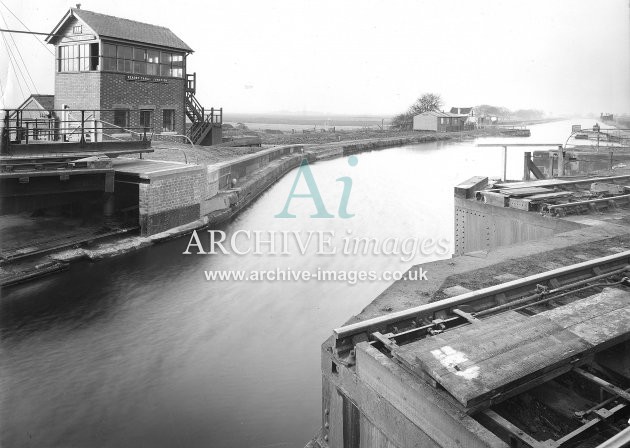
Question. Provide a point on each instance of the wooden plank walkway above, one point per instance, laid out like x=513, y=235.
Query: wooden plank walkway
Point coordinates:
x=478, y=361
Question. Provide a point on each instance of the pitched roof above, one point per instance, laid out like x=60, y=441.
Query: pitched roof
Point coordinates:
x=439, y=113
x=46, y=101
x=127, y=30
x=461, y=110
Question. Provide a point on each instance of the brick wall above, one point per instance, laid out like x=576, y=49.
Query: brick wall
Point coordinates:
x=78, y=90
x=117, y=92
x=172, y=200
x=104, y=90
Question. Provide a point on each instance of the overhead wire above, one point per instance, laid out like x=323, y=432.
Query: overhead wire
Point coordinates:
x=17, y=49
x=27, y=28
x=15, y=71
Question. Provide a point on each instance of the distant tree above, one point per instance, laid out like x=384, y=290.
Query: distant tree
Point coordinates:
x=426, y=102
x=505, y=113
x=402, y=121
x=493, y=111
x=528, y=114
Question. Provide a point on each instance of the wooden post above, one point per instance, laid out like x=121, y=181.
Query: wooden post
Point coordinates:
x=597, y=138
x=82, y=127
x=611, y=159
x=550, y=164
x=4, y=132
x=526, y=172
x=560, y=161
x=505, y=164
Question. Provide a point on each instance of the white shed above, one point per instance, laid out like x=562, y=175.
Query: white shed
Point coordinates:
x=438, y=121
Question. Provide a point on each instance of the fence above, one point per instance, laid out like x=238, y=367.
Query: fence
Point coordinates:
x=20, y=127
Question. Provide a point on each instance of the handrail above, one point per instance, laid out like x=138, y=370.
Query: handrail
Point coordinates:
x=376, y=323
x=82, y=121
x=180, y=135
x=144, y=134
x=59, y=124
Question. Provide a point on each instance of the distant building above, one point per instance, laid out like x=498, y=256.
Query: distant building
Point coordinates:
x=439, y=121
x=35, y=118
x=132, y=73
x=469, y=111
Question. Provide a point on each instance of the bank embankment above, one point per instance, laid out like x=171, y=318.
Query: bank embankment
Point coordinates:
x=345, y=148
x=225, y=189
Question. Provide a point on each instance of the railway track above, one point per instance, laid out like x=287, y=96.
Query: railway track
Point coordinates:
x=536, y=290
x=563, y=332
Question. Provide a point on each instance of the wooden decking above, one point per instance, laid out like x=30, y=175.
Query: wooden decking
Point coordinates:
x=478, y=361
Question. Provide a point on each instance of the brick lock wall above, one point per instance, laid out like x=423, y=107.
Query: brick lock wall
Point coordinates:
x=171, y=200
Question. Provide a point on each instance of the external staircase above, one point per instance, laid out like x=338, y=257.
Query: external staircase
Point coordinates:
x=202, y=121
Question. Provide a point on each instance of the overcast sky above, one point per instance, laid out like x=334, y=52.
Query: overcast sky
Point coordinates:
x=373, y=57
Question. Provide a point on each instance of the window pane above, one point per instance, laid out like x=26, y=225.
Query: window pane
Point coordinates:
x=146, y=118
x=153, y=69
x=125, y=52
x=94, y=56
x=109, y=64
x=168, y=122
x=124, y=65
x=140, y=67
x=109, y=50
x=84, y=53
x=165, y=70
x=153, y=56
x=177, y=60
x=121, y=118
x=139, y=54
x=165, y=58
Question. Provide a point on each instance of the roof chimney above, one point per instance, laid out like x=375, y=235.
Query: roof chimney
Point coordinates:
x=78, y=5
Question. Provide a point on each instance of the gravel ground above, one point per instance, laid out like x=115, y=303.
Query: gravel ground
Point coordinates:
x=180, y=152
x=204, y=155
x=330, y=137
x=526, y=266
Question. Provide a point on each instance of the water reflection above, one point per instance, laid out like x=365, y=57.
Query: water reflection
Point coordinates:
x=141, y=350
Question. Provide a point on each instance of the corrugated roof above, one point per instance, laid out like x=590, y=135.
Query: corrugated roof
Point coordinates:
x=130, y=30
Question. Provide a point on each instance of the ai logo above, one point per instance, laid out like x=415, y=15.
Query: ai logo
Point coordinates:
x=314, y=194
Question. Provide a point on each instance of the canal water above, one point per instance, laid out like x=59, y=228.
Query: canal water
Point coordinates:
x=142, y=350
